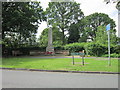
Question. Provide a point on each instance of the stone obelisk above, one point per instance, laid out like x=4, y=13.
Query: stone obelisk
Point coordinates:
x=50, y=47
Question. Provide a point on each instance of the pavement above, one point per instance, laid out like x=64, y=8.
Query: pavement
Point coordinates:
x=61, y=56
x=33, y=79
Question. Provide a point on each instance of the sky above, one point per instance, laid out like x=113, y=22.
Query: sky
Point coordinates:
x=88, y=7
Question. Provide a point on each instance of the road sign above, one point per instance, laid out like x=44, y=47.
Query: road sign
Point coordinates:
x=80, y=54
x=108, y=27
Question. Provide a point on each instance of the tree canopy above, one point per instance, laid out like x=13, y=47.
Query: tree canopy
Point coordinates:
x=102, y=36
x=90, y=24
x=63, y=14
x=20, y=21
x=56, y=37
x=73, y=33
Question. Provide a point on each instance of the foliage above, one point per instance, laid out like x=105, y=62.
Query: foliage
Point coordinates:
x=102, y=36
x=59, y=48
x=92, y=22
x=113, y=55
x=16, y=42
x=23, y=50
x=114, y=1
x=56, y=34
x=92, y=48
x=20, y=22
x=118, y=5
x=117, y=49
x=74, y=47
x=63, y=14
x=73, y=33
x=95, y=49
x=43, y=40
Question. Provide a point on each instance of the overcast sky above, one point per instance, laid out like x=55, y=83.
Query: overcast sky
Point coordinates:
x=88, y=7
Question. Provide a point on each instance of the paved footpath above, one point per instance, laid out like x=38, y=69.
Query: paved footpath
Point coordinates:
x=103, y=58
x=33, y=79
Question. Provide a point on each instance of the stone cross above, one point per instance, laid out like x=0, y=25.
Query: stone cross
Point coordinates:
x=50, y=47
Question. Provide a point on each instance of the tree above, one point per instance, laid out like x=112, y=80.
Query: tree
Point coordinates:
x=56, y=37
x=73, y=33
x=63, y=14
x=118, y=6
x=43, y=39
x=91, y=23
x=20, y=21
x=102, y=37
x=114, y=1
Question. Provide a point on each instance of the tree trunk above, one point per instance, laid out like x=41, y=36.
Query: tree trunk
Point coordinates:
x=63, y=37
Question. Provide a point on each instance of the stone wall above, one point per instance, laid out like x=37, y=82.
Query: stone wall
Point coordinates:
x=62, y=52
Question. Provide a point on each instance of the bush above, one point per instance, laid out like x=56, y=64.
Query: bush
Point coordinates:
x=92, y=48
x=59, y=48
x=23, y=50
x=114, y=55
x=75, y=47
x=117, y=49
x=95, y=49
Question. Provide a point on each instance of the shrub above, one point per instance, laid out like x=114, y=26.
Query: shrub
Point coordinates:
x=59, y=48
x=23, y=50
x=92, y=48
x=114, y=55
x=117, y=49
x=75, y=47
x=95, y=49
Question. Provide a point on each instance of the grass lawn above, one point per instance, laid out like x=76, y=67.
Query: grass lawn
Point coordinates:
x=91, y=64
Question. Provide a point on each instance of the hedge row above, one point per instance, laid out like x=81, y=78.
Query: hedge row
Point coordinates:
x=93, y=49
x=23, y=50
x=114, y=55
x=26, y=50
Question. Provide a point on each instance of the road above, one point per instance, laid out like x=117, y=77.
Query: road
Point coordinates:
x=33, y=79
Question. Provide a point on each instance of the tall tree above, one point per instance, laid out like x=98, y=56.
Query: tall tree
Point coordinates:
x=91, y=23
x=73, y=33
x=118, y=5
x=20, y=20
x=63, y=14
x=102, y=37
x=56, y=37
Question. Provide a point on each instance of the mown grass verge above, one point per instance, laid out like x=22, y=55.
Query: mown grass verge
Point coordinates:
x=91, y=64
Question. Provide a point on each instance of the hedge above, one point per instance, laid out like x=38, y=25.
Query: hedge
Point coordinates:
x=95, y=49
x=114, y=55
x=74, y=47
x=91, y=48
x=23, y=50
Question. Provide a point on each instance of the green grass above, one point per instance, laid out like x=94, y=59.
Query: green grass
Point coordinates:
x=91, y=64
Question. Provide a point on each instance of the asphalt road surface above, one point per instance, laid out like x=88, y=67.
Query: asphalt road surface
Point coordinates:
x=33, y=79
